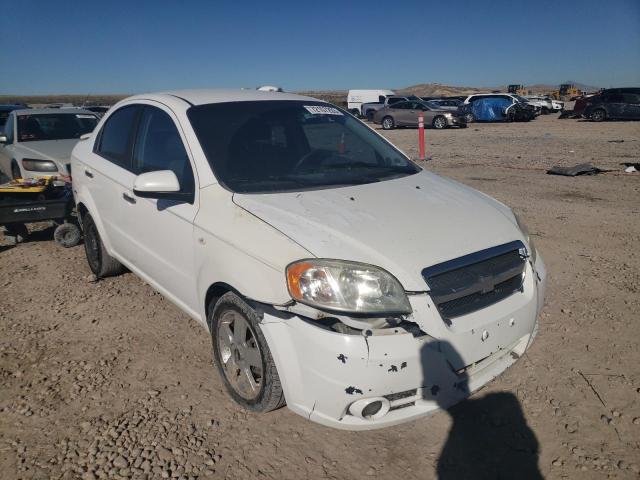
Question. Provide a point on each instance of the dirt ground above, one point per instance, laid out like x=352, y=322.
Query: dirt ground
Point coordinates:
x=108, y=379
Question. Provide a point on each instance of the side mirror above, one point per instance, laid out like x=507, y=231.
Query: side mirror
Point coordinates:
x=3, y=139
x=161, y=184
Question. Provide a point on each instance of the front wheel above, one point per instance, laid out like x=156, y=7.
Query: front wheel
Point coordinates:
x=598, y=115
x=468, y=117
x=242, y=355
x=439, y=122
x=388, y=123
x=100, y=262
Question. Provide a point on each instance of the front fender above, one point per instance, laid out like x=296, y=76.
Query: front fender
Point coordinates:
x=236, y=248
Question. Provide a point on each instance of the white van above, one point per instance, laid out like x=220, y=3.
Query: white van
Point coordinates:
x=355, y=99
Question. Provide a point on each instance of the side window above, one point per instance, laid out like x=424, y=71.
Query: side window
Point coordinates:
x=393, y=101
x=613, y=98
x=115, y=138
x=631, y=98
x=402, y=105
x=8, y=128
x=159, y=147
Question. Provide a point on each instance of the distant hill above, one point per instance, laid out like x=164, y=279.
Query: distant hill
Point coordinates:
x=439, y=90
x=74, y=99
x=337, y=97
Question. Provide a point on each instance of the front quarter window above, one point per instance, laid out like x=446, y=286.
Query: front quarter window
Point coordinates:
x=274, y=146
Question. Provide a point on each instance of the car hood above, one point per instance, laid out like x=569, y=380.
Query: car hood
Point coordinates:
x=402, y=225
x=58, y=150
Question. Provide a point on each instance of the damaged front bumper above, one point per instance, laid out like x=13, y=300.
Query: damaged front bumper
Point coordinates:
x=379, y=378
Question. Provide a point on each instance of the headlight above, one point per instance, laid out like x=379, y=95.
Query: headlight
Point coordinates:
x=343, y=286
x=39, y=165
x=525, y=231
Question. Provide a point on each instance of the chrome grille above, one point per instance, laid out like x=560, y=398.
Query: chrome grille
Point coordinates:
x=472, y=282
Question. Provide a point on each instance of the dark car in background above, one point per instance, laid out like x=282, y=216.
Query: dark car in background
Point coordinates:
x=5, y=110
x=614, y=104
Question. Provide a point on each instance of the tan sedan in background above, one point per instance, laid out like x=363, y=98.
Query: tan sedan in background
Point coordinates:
x=405, y=114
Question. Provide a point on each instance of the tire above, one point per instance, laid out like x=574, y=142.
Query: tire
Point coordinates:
x=100, y=262
x=545, y=111
x=511, y=116
x=469, y=118
x=439, y=122
x=67, y=235
x=598, y=115
x=370, y=115
x=388, y=123
x=15, y=233
x=15, y=170
x=245, y=364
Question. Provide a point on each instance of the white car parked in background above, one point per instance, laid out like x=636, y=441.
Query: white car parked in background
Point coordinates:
x=38, y=143
x=331, y=272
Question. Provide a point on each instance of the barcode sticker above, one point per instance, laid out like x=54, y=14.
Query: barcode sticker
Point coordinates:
x=318, y=110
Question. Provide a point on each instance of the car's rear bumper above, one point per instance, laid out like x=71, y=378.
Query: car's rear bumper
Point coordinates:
x=324, y=372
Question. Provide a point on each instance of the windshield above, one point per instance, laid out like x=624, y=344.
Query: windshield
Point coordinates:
x=275, y=146
x=54, y=126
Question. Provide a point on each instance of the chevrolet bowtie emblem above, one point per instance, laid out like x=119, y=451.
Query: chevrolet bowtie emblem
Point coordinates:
x=486, y=284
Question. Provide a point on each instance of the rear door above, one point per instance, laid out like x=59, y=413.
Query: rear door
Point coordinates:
x=632, y=105
x=106, y=173
x=614, y=104
x=401, y=113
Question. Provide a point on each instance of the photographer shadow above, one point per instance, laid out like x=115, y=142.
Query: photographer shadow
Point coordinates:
x=489, y=437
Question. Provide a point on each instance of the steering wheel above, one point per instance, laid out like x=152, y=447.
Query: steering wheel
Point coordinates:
x=315, y=157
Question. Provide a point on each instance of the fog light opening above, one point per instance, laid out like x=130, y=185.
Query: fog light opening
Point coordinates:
x=371, y=409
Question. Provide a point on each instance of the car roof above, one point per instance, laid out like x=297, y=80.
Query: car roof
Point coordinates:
x=41, y=111
x=220, y=95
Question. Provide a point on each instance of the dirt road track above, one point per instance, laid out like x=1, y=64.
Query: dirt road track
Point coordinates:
x=109, y=380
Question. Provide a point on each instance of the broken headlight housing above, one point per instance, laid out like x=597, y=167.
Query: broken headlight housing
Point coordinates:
x=346, y=287
x=530, y=245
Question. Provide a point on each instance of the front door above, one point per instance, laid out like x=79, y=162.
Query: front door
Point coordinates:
x=160, y=232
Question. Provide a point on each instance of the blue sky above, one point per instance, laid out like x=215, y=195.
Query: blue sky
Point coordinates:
x=132, y=46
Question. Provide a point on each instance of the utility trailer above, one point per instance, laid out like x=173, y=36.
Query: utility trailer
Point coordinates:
x=38, y=200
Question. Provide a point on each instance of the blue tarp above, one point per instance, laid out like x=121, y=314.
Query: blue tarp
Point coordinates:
x=489, y=109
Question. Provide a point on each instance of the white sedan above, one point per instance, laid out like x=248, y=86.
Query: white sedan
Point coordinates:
x=38, y=142
x=331, y=272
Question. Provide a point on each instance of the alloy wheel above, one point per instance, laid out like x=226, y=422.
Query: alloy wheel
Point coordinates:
x=240, y=355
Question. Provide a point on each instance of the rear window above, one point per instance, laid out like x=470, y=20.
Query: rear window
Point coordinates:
x=54, y=126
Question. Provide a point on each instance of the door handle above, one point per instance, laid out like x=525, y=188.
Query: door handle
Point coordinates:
x=128, y=198
x=88, y=173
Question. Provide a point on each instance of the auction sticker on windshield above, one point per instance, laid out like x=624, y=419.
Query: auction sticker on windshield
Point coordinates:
x=316, y=109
